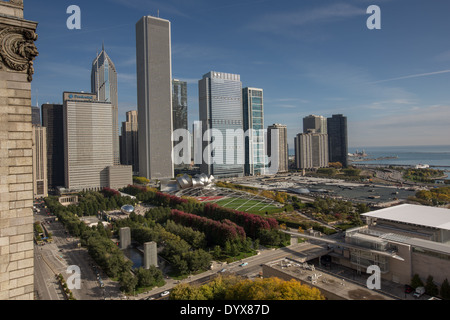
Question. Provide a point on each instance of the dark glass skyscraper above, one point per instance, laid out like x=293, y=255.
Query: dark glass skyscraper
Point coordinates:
x=52, y=119
x=36, y=116
x=129, y=153
x=179, y=105
x=338, y=139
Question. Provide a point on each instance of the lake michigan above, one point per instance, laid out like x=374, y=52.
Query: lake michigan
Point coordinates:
x=438, y=157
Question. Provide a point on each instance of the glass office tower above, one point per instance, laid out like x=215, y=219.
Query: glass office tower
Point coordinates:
x=179, y=105
x=220, y=109
x=254, y=127
x=104, y=85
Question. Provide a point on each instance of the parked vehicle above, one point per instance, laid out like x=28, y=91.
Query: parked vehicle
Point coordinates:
x=408, y=289
x=419, y=292
x=165, y=293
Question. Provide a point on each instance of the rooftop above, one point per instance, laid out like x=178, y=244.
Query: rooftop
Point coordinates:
x=432, y=217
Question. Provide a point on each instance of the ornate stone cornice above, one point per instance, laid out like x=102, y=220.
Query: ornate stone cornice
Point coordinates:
x=17, y=49
x=18, y=3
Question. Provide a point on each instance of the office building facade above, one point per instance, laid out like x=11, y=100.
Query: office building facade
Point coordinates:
x=220, y=110
x=154, y=91
x=52, y=120
x=253, y=104
x=278, y=131
x=311, y=150
x=87, y=141
x=129, y=148
x=39, y=146
x=338, y=139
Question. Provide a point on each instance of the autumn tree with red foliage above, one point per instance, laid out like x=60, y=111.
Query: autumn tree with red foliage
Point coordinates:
x=217, y=232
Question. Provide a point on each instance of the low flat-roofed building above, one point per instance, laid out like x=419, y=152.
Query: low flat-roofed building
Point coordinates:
x=403, y=241
x=331, y=286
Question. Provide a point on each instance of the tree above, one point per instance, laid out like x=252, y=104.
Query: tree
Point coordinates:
x=416, y=281
x=148, y=277
x=235, y=288
x=445, y=290
x=272, y=289
x=430, y=287
x=128, y=282
x=217, y=252
x=185, y=291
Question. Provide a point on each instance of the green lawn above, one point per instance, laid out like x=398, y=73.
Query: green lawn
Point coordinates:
x=251, y=206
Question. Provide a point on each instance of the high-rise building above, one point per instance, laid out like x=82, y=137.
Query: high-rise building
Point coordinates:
x=35, y=116
x=52, y=120
x=311, y=150
x=104, y=85
x=282, y=150
x=179, y=105
x=180, y=112
x=313, y=123
x=39, y=146
x=17, y=37
x=338, y=139
x=129, y=151
x=220, y=110
x=253, y=104
x=154, y=91
x=87, y=141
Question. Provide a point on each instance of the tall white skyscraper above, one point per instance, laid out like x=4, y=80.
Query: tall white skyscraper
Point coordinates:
x=104, y=85
x=220, y=108
x=279, y=132
x=154, y=91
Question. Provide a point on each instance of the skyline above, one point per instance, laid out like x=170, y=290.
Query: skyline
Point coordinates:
x=309, y=58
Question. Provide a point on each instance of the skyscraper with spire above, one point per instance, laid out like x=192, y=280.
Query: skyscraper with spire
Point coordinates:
x=104, y=84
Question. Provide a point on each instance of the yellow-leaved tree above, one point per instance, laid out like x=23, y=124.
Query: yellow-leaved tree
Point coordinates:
x=272, y=289
x=235, y=288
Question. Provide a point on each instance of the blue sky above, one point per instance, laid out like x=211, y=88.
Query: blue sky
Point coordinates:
x=309, y=56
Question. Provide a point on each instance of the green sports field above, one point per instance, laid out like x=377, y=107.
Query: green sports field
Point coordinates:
x=251, y=206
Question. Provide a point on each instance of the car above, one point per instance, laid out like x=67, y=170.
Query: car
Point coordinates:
x=165, y=293
x=408, y=289
x=243, y=264
x=223, y=270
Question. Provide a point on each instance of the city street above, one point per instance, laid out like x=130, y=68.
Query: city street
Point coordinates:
x=54, y=258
